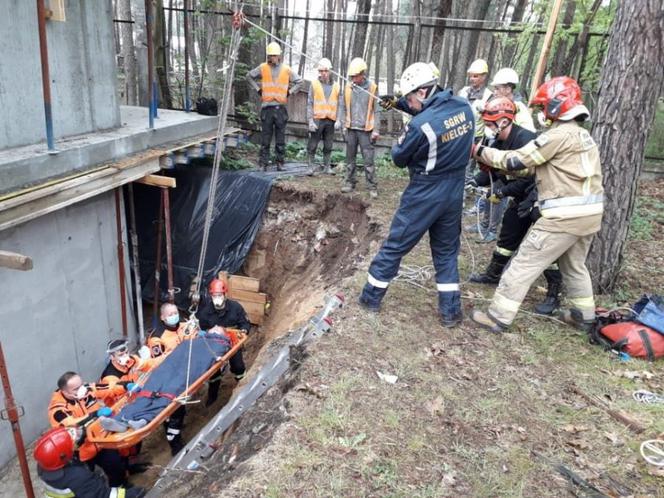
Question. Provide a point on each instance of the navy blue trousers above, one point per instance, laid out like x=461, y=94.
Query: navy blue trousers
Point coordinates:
x=429, y=203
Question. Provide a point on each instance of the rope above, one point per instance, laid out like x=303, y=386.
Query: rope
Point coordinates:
x=652, y=452
x=643, y=396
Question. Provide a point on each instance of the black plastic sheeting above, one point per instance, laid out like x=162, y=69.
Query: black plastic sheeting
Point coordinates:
x=240, y=201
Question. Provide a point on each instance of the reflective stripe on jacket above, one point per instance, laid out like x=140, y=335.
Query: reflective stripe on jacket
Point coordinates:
x=325, y=108
x=369, y=122
x=274, y=91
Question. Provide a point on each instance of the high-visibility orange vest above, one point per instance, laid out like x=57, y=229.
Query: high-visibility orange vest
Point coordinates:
x=325, y=108
x=76, y=410
x=274, y=91
x=369, y=125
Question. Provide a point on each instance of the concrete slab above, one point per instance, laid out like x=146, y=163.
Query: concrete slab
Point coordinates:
x=21, y=167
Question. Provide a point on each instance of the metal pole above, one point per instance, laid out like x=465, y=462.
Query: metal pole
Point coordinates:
x=121, y=259
x=148, y=31
x=157, y=265
x=169, y=248
x=546, y=46
x=12, y=413
x=187, y=104
x=46, y=76
x=137, y=273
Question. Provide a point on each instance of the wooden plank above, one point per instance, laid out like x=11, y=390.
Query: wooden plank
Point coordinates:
x=236, y=282
x=157, y=181
x=251, y=307
x=251, y=297
x=15, y=261
x=256, y=318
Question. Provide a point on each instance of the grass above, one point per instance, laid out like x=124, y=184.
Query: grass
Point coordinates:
x=647, y=214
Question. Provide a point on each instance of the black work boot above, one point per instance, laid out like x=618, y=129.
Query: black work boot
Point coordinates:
x=551, y=302
x=326, y=162
x=574, y=317
x=450, y=321
x=493, y=272
x=280, y=166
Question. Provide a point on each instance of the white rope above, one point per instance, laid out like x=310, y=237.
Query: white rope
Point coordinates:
x=647, y=397
x=652, y=452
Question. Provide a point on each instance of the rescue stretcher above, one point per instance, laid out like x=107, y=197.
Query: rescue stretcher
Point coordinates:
x=117, y=440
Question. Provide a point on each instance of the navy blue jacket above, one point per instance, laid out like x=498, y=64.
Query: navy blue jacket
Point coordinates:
x=438, y=139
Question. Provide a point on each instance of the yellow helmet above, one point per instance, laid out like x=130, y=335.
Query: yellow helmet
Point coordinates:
x=357, y=65
x=273, y=48
x=478, y=66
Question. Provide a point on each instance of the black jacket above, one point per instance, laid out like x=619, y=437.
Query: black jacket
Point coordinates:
x=84, y=483
x=232, y=315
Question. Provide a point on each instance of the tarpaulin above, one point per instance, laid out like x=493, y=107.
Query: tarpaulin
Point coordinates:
x=170, y=376
x=240, y=201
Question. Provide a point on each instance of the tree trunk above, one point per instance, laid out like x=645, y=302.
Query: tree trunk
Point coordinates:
x=478, y=9
x=631, y=83
x=510, y=47
x=161, y=54
x=337, y=35
x=444, y=10
x=362, y=15
x=330, y=25
x=391, y=34
x=573, y=61
x=128, y=55
x=141, y=50
x=303, y=60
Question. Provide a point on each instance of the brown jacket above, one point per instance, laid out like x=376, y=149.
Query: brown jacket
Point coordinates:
x=565, y=161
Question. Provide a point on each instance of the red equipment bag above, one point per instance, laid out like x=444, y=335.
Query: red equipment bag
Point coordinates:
x=635, y=339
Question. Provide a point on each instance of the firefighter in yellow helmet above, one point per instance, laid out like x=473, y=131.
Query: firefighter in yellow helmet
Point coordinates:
x=361, y=124
x=322, y=115
x=274, y=82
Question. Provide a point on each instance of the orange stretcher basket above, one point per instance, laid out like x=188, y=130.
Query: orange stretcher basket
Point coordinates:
x=117, y=440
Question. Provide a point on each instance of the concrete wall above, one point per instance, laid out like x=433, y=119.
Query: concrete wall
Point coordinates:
x=60, y=315
x=82, y=68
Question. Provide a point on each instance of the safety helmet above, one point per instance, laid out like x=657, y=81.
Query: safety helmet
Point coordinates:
x=418, y=75
x=273, y=48
x=498, y=108
x=55, y=449
x=558, y=96
x=117, y=346
x=357, y=66
x=324, y=64
x=217, y=287
x=505, y=76
x=478, y=66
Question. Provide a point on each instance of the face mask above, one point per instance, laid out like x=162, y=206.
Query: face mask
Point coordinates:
x=218, y=301
x=490, y=133
x=122, y=360
x=542, y=119
x=81, y=392
x=172, y=320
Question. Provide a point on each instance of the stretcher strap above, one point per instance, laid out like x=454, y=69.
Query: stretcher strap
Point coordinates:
x=155, y=395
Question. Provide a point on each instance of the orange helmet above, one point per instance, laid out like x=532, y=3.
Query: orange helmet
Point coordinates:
x=557, y=96
x=499, y=108
x=55, y=449
x=217, y=287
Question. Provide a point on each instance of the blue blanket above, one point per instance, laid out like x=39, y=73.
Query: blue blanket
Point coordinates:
x=170, y=377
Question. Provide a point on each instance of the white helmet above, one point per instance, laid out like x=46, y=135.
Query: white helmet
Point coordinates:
x=505, y=76
x=324, y=64
x=418, y=75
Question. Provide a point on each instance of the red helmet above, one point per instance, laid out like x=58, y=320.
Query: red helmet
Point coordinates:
x=55, y=449
x=499, y=108
x=217, y=286
x=557, y=96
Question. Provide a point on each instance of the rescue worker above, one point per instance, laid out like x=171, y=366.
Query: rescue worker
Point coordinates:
x=74, y=404
x=65, y=476
x=477, y=94
x=322, y=109
x=217, y=313
x=361, y=125
x=123, y=366
x=274, y=82
x=565, y=160
x=170, y=331
x=433, y=146
x=504, y=84
x=499, y=120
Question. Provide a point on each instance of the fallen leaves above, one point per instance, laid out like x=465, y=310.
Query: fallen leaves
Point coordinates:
x=435, y=407
x=634, y=374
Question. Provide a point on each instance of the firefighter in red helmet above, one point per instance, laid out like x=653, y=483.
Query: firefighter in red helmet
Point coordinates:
x=565, y=161
x=64, y=475
x=218, y=312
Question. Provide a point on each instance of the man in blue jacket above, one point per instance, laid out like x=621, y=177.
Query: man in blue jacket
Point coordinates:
x=435, y=147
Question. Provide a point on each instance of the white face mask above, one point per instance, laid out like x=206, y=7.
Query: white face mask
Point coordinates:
x=490, y=133
x=218, y=301
x=122, y=360
x=542, y=119
x=81, y=392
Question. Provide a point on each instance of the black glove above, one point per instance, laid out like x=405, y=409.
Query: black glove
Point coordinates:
x=527, y=207
x=388, y=102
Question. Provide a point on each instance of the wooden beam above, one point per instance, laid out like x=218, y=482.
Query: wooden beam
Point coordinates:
x=157, y=181
x=546, y=46
x=15, y=261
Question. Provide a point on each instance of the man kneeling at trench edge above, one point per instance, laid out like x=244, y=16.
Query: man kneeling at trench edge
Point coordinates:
x=435, y=147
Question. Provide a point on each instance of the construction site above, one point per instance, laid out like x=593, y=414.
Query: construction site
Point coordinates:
x=136, y=186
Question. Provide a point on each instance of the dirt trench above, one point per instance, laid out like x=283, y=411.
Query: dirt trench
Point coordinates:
x=309, y=242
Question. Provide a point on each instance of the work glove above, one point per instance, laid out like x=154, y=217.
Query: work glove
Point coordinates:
x=202, y=333
x=337, y=125
x=144, y=353
x=133, y=388
x=312, y=126
x=104, y=412
x=388, y=102
x=374, y=137
x=494, y=199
